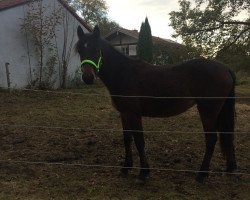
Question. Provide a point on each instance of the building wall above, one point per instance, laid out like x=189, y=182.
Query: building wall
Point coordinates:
x=19, y=51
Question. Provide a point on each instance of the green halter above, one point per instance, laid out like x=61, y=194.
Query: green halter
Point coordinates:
x=97, y=66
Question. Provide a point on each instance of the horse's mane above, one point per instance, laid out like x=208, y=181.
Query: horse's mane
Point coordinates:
x=109, y=46
x=106, y=46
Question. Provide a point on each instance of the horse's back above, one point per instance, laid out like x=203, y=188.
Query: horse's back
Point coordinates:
x=203, y=78
x=208, y=78
x=191, y=78
x=171, y=90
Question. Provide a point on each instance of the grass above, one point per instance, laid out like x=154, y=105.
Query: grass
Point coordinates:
x=91, y=145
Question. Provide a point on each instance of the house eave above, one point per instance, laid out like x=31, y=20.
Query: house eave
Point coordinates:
x=62, y=2
x=15, y=5
x=118, y=30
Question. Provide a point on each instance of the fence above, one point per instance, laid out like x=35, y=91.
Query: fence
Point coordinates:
x=116, y=130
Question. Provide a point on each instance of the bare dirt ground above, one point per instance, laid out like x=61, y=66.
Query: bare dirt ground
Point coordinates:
x=47, y=137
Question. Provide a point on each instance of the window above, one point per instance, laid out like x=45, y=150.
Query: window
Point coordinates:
x=125, y=50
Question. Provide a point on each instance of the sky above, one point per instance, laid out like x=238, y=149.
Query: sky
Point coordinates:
x=131, y=13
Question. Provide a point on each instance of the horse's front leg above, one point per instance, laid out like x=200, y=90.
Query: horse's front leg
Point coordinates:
x=132, y=125
x=127, y=137
x=140, y=145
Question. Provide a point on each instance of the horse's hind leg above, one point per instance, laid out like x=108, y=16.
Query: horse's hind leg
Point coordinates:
x=226, y=128
x=209, y=125
x=211, y=139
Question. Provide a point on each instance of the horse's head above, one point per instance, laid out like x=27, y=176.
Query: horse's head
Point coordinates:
x=90, y=54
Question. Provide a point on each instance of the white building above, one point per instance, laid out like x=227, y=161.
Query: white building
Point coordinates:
x=17, y=50
x=126, y=41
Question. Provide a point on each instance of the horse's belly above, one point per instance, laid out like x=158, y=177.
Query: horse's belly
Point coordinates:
x=165, y=108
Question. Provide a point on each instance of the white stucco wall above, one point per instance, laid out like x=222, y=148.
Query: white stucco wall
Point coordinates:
x=132, y=50
x=14, y=48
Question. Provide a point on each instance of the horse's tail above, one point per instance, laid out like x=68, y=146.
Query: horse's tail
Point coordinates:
x=226, y=122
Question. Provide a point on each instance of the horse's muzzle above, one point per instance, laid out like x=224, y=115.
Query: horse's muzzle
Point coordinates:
x=88, y=76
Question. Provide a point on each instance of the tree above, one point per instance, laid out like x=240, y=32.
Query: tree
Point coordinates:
x=94, y=12
x=236, y=57
x=145, y=44
x=68, y=46
x=48, y=29
x=164, y=54
x=213, y=25
x=106, y=26
x=40, y=27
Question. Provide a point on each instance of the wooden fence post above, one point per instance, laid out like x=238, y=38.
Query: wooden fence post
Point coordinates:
x=8, y=74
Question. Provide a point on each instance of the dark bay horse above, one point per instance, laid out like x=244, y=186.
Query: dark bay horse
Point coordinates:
x=138, y=89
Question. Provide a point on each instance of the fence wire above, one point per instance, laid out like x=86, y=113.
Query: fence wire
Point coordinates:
x=119, y=167
x=114, y=130
x=130, y=96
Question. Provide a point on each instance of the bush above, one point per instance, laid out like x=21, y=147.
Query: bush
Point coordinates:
x=76, y=81
x=242, y=78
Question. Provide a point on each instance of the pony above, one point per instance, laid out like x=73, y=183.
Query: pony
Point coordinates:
x=139, y=89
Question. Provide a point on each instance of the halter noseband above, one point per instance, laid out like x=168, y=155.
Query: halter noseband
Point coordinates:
x=97, y=66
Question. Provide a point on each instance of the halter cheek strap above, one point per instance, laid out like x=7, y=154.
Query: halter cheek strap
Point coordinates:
x=95, y=65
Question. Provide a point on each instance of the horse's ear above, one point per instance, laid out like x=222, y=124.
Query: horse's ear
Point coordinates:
x=96, y=32
x=80, y=32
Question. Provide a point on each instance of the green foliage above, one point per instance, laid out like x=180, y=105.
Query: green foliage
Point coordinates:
x=48, y=74
x=161, y=55
x=236, y=57
x=49, y=71
x=76, y=81
x=213, y=25
x=242, y=78
x=106, y=26
x=40, y=26
x=164, y=54
x=94, y=12
x=145, y=44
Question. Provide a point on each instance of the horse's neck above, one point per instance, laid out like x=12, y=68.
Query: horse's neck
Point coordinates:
x=115, y=66
x=114, y=59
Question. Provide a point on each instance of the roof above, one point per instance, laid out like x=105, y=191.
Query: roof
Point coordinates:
x=132, y=33
x=4, y=4
x=7, y=4
x=135, y=34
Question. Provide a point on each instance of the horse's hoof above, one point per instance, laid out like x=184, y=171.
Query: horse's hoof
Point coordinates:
x=124, y=172
x=126, y=167
x=231, y=168
x=200, y=179
x=140, y=181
